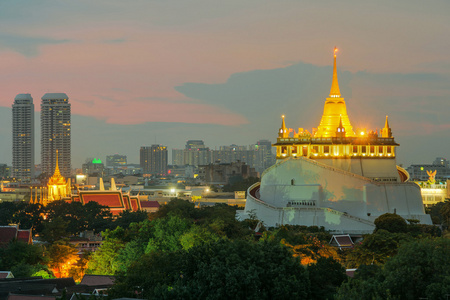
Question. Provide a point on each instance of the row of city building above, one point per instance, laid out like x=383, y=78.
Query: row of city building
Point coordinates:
x=195, y=160
x=55, y=124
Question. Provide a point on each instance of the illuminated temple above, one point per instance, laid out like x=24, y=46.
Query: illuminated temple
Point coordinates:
x=59, y=189
x=335, y=176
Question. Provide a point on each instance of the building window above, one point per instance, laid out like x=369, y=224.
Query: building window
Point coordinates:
x=326, y=149
x=355, y=149
x=380, y=149
x=363, y=149
x=372, y=149
x=389, y=149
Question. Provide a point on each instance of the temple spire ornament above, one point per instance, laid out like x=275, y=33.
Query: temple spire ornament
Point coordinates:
x=386, y=132
x=335, y=91
x=283, y=132
x=334, y=111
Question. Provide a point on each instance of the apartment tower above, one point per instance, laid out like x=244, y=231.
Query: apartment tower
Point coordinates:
x=153, y=160
x=23, y=138
x=55, y=133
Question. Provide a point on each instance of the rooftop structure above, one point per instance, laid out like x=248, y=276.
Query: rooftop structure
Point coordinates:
x=334, y=176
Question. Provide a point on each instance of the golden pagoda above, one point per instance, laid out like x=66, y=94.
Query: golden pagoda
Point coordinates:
x=57, y=186
x=334, y=111
x=336, y=144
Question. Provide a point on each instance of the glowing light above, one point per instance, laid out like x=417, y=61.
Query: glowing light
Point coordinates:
x=362, y=133
x=172, y=190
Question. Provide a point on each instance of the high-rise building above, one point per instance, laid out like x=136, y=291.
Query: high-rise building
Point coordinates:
x=23, y=137
x=55, y=133
x=116, y=160
x=195, y=153
x=268, y=157
x=153, y=160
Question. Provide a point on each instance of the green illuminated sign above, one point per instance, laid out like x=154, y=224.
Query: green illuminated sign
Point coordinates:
x=96, y=161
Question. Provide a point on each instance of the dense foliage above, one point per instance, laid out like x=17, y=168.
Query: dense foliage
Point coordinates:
x=183, y=252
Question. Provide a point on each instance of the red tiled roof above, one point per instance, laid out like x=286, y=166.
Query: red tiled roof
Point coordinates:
x=4, y=274
x=8, y=233
x=342, y=241
x=97, y=280
x=24, y=235
x=350, y=272
x=111, y=199
x=126, y=201
x=150, y=204
x=135, y=203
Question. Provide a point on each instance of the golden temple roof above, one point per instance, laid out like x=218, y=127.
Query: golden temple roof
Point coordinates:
x=334, y=111
x=57, y=178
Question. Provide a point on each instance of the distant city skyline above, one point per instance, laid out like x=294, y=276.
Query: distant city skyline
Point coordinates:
x=224, y=72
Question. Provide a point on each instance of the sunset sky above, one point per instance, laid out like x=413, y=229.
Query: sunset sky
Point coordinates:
x=150, y=71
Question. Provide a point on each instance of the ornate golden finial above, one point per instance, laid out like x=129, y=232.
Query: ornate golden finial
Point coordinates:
x=283, y=133
x=386, y=132
x=334, y=91
x=57, y=178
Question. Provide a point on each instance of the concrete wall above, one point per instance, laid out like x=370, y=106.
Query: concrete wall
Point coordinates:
x=302, y=184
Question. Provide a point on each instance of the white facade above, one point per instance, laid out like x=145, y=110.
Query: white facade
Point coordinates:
x=302, y=191
x=55, y=133
x=23, y=137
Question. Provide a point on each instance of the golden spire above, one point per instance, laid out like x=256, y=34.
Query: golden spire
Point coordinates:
x=334, y=111
x=334, y=91
x=57, y=178
x=283, y=132
x=386, y=132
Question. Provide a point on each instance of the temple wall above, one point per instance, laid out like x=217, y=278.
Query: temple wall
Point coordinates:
x=367, y=167
x=301, y=183
x=332, y=220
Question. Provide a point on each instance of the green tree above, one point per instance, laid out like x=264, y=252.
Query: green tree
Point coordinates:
x=61, y=259
x=220, y=270
x=196, y=236
x=20, y=253
x=127, y=217
x=391, y=223
x=326, y=276
x=55, y=229
x=167, y=233
x=104, y=261
x=445, y=213
x=421, y=269
x=376, y=248
x=365, y=285
x=177, y=207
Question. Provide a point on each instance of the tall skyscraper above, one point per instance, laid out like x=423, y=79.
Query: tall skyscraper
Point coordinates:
x=55, y=133
x=23, y=137
x=153, y=160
